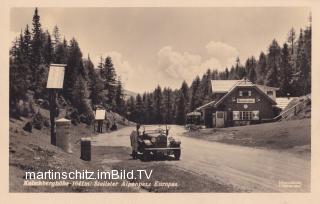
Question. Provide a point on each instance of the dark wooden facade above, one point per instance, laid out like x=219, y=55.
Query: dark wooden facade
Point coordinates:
x=241, y=105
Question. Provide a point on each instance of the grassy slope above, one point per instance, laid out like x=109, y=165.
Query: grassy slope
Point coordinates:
x=33, y=152
x=293, y=136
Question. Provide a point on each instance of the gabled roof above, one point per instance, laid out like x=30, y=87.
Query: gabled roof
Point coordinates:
x=194, y=113
x=224, y=86
x=228, y=86
x=267, y=88
x=283, y=102
x=246, y=85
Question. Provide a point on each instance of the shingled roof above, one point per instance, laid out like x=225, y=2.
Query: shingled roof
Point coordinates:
x=224, y=86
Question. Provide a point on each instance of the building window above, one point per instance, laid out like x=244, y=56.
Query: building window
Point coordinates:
x=220, y=115
x=244, y=93
x=245, y=115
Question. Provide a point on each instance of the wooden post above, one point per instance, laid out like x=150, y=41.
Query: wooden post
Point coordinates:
x=85, y=149
x=55, y=82
x=53, y=112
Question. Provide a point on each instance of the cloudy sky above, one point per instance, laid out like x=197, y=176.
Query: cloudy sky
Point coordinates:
x=165, y=46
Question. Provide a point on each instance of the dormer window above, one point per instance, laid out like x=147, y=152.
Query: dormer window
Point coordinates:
x=269, y=93
x=244, y=93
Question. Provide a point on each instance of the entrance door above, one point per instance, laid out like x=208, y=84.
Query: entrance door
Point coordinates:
x=220, y=119
x=214, y=120
x=208, y=119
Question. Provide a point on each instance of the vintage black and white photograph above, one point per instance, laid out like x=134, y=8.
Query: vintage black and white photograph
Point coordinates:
x=160, y=99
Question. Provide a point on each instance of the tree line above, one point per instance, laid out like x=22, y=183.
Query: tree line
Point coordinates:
x=85, y=86
x=287, y=67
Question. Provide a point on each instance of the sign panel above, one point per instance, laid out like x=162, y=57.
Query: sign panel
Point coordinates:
x=246, y=100
x=100, y=114
x=56, y=76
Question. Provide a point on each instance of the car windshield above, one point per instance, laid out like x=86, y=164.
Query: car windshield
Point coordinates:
x=154, y=130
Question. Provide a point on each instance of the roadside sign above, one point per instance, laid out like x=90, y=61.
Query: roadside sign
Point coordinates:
x=56, y=76
x=100, y=114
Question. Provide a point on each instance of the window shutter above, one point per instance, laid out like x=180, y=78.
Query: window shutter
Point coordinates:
x=240, y=93
x=249, y=93
x=236, y=115
x=255, y=115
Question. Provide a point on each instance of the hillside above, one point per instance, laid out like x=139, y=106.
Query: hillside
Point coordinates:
x=292, y=136
x=298, y=108
x=128, y=94
x=32, y=151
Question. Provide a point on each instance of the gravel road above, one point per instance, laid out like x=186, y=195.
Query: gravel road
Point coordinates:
x=256, y=170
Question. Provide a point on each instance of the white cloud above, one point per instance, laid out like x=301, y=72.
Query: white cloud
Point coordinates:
x=185, y=66
x=172, y=66
x=211, y=63
x=223, y=52
x=178, y=65
x=134, y=78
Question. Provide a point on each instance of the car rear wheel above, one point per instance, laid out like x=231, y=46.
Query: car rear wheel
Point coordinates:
x=177, y=154
x=146, y=156
x=134, y=154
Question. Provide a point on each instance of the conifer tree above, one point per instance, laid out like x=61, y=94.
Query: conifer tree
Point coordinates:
x=74, y=69
x=95, y=84
x=109, y=78
x=56, y=37
x=168, y=105
x=38, y=72
x=157, y=105
x=273, y=64
x=195, y=91
x=119, y=97
x=251, y=65
x=48, y=50
x=181, y=109
x=291, y=40
x=286, y=72
x=261, y=68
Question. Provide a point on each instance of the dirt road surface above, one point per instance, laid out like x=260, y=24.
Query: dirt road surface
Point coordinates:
x=251, y=169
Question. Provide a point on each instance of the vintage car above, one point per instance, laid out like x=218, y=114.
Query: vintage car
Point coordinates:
x=193, y=121
x=155, y=143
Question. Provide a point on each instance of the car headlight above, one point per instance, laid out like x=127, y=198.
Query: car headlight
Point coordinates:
x=153, y=140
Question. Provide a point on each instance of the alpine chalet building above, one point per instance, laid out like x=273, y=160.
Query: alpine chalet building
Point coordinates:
x=239, y=102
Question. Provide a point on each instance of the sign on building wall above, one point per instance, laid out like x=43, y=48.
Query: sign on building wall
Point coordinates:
x=246, y=100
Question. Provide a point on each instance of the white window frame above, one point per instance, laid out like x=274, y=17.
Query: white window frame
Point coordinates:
x=245, y=115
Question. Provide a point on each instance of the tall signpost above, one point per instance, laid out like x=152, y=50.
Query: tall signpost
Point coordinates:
x=99, y=117
x=54, y=83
